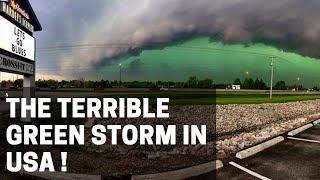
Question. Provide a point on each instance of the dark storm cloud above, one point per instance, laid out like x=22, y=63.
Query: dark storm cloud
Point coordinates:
x=129, y=26
x=135, y=68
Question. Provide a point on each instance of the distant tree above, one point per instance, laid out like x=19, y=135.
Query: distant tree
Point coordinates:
x=108, y=84
x=47, y=83
x=192, y=82
x=316, y=88
x=115, y=83
x=280, y=85
x=248, y=83
x=7, y=84
x=262, y=84
x=259, y=84
x=237, y=82
x=2, y=84
x=88, y=84
x=103, y=83
x=52, y=82
x=179, y=84
x=206, y=83
x=63, y=83
x=80, y=83
x=18, y=83
x=256, y=84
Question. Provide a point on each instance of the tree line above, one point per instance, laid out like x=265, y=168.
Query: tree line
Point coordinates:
x=191, y=82
x=249, y=83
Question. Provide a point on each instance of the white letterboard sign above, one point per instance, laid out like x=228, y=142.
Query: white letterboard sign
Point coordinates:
x=15, y=40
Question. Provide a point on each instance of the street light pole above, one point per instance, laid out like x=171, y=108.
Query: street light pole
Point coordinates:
x=271, y=79
x=298, y=82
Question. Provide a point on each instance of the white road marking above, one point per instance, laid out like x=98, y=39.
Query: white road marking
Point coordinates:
x=306, y=140
x=249, y=171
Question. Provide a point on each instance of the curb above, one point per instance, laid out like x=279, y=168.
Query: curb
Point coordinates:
x=183, y=173
x=258, y=148
x=316, y=122
x=300, y=129
x=178, y=174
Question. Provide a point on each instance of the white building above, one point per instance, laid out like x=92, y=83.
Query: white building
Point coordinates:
x=236, y=87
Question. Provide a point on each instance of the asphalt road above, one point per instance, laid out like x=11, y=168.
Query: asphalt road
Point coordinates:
x=291, y=159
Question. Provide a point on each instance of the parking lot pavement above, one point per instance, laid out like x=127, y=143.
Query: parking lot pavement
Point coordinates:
x=230, y=172
x=291, y=159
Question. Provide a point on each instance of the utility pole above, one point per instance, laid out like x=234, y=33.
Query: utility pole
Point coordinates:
x=271, y=79
x=120, y=69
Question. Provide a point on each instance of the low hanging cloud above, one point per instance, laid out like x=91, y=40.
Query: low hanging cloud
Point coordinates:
x=116, y=28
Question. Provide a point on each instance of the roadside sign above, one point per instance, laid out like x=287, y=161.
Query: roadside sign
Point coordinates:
x=16, y=41
x=15, y=66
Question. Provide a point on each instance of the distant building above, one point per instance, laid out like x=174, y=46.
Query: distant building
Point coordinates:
x=236, y=87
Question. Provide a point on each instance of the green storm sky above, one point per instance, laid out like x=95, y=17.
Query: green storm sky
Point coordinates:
x=223, y=63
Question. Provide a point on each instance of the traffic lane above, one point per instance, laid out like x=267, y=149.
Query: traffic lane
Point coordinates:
x=311, y=133
x=289, y=159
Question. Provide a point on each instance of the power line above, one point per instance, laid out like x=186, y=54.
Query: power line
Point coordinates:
x=89, y=46
x=146, y=46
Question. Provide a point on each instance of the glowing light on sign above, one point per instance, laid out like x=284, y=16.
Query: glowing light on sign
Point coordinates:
x=15, y=6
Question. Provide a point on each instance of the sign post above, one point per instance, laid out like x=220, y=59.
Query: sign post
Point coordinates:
x=28, y=92
x=17, y=44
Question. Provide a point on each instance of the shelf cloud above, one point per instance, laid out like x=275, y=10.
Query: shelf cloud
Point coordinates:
x=112, y=29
